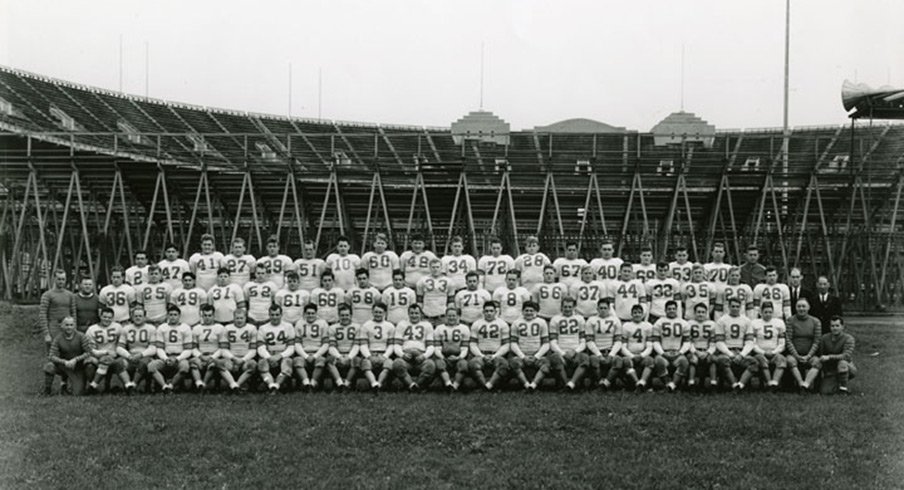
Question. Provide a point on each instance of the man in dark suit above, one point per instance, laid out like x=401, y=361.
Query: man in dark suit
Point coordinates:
x=797, y=290
x=825, y=304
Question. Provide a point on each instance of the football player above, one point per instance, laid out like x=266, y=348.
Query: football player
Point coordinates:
x=588, y=292
x=239, y=358
x=606, y=266
x=529, y=346
x=189, y=298
x=328, y=297
x=680, y=268
x=603, y=335
x=240, y=264
x=343, y=265
x=259, y=294
x=226, y=297
x=206, y=263
x=210, y=341
x=172, y=266
x=414, y=348
x=274, y=265
x=734, y=289
x=376, y=347
x=670, y=344
x=415, y=263
x=292, y=298
x=434, y=292
x=646, y=269
x=628, y=292
x=137, y=274
x=362, y=297
x=380, y=263
x=452, y=345
x=154, y=295
x=457, y=264
x=733, y=343
x=511, y=297
x=138, y=345
x=309, y=267
x=398, y=298
x=118, y=296
x=495, y=266
x=490, y=338
x=275, y=348
x=568, y=268
x=549, y=294
x=699, y=356
x=697, y=290
x=174, y=348
x=312, y=345
x=343, y=349
x=568, y=346
x=532, y=263
x=717, y=270
x=773, y=291
x=637, y=349
x=768, y=346
x=662, y=289
x=471, y=299
x=105, y=354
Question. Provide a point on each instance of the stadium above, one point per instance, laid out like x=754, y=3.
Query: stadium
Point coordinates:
x=90, y=176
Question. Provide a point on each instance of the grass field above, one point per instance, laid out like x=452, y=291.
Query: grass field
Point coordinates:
x=436, y=440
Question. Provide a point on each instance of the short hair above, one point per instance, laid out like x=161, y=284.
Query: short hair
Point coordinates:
x=416, y=306
x=171, y=308
x=662, y=265
x=607, y=242
x=734, y=300
x=569, y=299
x=360, y=271
x=274, y=308
x=767, y=304
x=188, y=274
x=681, y=248
x=238, y=240
x=457, y=239
x=137, y=308
x=701, y=305
x=770, y=270
x=153, y=267
x=471, y=274
x=170, y=245
x=492, y=304
x=398, y=272
x=273, y=239
x=636, y=308
x=495, y=240
x=416, y=237
x=626, y=265
x=531, y=240
x=837, y=318
x=530, y=304
x=379, y=304
x=343, y=307
x=310, y=307
x=117, y=268
x=141, y=252
x=604, y=301
x=207, y=307
x=342, y=238
x=718, y=245
x=381, y=236
x=753, y=248
x=514, y=272
x=83, y=278
x=449, y=307
x=571, y=243
x=292, y=275
x=645, y=249
x=207, y=237
x=671, y=302
x=223, y=270
x=327, y=273
x=106, y=309
x=549, y=267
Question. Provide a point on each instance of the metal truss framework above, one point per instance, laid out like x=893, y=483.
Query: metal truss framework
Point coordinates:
x=59, y=211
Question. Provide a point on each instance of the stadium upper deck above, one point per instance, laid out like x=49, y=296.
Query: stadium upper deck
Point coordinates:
x=150, y=171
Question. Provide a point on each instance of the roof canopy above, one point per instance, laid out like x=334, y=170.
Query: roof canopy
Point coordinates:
x=579, y=125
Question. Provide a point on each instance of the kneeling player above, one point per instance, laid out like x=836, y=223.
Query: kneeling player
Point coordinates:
x=375, y=340
x=343, y=349
x=529, y=346
x=836, y=354
x=733, y=343
x=238, y=359
x=768, y=345
x=414, y=350
x=637, y=350
x=670, y=345
x=699, y=356
x=453, y=340
x=207, y=357
x=138, y=345
x=567, y=344
x=174, y=348
x=275, y=347
x=311, y=345
x=106, y=356
x=489, y=344
x=603, y=335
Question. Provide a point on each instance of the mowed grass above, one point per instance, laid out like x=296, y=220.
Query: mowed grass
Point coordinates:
x=477, y=440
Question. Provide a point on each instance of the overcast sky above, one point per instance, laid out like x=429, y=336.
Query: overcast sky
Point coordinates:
x=418, y=62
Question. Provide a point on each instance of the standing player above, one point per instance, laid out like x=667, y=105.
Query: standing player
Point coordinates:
x=637, y=349
x=275, y=348
x=680, y=268
x=172, y=266
x=452, y=344
x=292, y=298
x=343, y=349
x=206, y=263
x=210, y=341
x=240, y=264
x=603, y=335
x=138, y=345
x=529, y=346
x=362, y=297
x=118, y=296
x=174, y=348
x=375, y=344
x=569, y=267
x=772, y=291
x=490, y=337
x=606, y=266
x=662, y=289
x=398, y=298
x=69, y=351
x=274, y=265
x=414, y=348
x=646, y=269
x=309, y=267
x=434, y=292
x=470, y=300
x=495, y=266
x=259, y=294
x=105, y=354
x=768, y=346
x=697, y=290
x=588, y=292
x=226, y=297
x=457, y=265
x=734, y=289
x=343, y=264
x=154, y=295
x=531, y=263
x=670, y=344
x=717, y=270
x=189, y=298
x=328, y=297
x=699, y=356
x=415, y=263
x=549, y=294
x=380, y=263
x=238, y=359
x=733, y=341
x=512, y=297
x=628, y=292
x=138, y=273
x=567, y=343
x=312, y=344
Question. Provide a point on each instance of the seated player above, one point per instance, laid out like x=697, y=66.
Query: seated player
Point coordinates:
x=138, y=346
x=259, y=294
x=549, y=294
x=662, y=289
x=189, y=298
x=414, y=347
x=670, y=344
x=606, y=266
x=362, y=297
x=172, y=266
x=154, y=295
x=311, y=346
x=453, y=341
x=375, y=345
x=568, y=346
x=292, y=298
x=137, y=274
x=490, y=338
x=680, y=268
x=471, y=299
x=117, y=295
x=495, y=266
x=700, y=333
x=697, y=291
x=588, y=292
x=529, y=346
x=637, y=349
x=415, y=263
x=603, y=335
x=210, y=341
x=457, y=264
x=628, y=292
x=343, y=266
x=646, y=269
x=309, y=267
x=802, y=344
x=206, y=263
x=104, y=353
x=240, y=264
x=836, y=355
x=274, y=265
x=380, y=263
x=531, y=264
x=226, y=297
x=69, y=351
x=773, y=291
x=568, y=268
x=275, y=349
x=239, y=358
x=734, y=289
x=732, y=343
x=398, y=298
x=768, y=346
x=174, y=348
x=328, y=297
x=511, y=297
x=343, y=349
x=434, y=292
x=717, y=270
